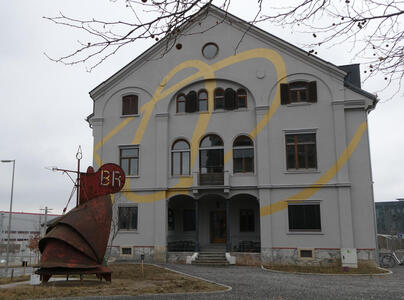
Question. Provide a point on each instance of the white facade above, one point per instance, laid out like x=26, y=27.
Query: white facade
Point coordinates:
x=298, y=179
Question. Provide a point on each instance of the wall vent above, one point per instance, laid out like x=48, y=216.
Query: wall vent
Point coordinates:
x=126, y=251
x=306, y=253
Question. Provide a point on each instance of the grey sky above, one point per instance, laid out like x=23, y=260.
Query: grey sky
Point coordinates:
x=44, y=104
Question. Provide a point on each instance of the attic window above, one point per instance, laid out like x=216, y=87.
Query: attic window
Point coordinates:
x=299, y=92
x=130, y=105
x=210, y=50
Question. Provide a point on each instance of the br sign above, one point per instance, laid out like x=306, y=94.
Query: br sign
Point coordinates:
x=109, y=179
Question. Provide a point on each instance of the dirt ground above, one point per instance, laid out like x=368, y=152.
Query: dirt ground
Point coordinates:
x=127, y=279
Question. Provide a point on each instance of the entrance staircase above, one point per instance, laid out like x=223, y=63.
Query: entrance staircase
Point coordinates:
x=212, y=255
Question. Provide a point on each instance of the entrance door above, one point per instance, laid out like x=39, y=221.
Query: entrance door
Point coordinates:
x=218, y=226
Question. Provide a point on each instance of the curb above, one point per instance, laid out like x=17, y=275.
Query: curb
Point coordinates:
x=389, y=272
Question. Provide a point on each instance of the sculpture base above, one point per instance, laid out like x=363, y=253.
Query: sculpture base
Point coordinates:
x=101, y=272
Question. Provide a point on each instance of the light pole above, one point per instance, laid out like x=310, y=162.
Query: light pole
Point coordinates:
x=9, y=216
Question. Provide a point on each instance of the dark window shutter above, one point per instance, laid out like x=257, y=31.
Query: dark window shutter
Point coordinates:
x=312, y=85
x=229, y=99
x=284, y=93
x=191, y=102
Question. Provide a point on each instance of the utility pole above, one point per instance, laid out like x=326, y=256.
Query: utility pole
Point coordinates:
x=46, y=219
x=1, y=226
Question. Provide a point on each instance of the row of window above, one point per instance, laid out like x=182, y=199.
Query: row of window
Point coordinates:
x=300, y=154
x=301, y=217
x=228, y=99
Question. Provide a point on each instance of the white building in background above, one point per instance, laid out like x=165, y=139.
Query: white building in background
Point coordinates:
x=24, y=226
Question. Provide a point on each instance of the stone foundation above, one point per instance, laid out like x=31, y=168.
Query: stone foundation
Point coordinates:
x=247, y=258
x=178, y=257
x=322, y=257
x=148, y=252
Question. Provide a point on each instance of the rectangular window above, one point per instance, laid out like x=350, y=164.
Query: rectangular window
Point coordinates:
x=189, y=219
x=130, y=105
x=301, y=151
x=304, y=217
x=247, y=220
x=243, y=160
x=127, y=218
x=129, y=160
x=126, y=251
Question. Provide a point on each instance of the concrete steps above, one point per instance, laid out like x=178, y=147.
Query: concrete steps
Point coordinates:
x=212, y=256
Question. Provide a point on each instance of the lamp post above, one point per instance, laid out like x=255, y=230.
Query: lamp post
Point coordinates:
x=9, y=216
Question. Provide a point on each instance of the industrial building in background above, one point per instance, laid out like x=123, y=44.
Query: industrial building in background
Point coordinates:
x=26, y=228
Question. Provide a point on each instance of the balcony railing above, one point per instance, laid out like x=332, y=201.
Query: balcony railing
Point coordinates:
x=211, y=179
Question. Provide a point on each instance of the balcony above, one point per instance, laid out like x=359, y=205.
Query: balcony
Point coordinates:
x=211, y=180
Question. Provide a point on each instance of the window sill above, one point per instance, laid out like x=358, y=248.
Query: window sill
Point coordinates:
x=305, y=233
x=128, y=116
x=302, y=171
x=299, y=104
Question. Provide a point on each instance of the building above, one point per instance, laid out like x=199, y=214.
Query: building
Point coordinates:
x=24, y=226
x=390, y=217
x=262, y=152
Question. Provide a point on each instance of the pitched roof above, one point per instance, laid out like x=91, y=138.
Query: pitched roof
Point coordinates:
x=254, y=30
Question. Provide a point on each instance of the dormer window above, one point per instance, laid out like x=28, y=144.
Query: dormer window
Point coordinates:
x=130, y=105
x=299, y=92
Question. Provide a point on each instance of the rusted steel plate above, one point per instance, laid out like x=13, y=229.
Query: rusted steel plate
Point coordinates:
x=109, y=179
x=68, y=235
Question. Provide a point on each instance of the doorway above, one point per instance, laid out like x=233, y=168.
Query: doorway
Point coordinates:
x=218, y=227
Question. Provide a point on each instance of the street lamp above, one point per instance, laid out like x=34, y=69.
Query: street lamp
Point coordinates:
x=9, y=216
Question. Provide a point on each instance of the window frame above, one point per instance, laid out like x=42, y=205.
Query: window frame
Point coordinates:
x=300, y=230
x=216, y=98
x=199, y=100
x=296, y=157
x=128, y=147
x=238, y=96
x=204, y=148
x=176, y=103
x=128, y=206
x=123, y=114
x=181, y=158
x=310, y=88
x=241, y=148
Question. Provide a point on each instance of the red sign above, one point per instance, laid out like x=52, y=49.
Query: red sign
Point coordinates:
x=109, y=179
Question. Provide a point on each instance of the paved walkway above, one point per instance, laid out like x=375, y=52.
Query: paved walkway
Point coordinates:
x=255, y=283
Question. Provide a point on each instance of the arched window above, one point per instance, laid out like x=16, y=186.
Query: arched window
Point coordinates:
x=180, y=103
x=241, y=99
x=211, y=155
x=219, y=98
x=203, y=100
x=180, y=158
x=243, y=155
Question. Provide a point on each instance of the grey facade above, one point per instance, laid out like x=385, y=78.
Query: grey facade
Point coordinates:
x=275, y=180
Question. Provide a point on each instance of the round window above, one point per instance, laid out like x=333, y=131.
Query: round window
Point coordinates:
x=210, y=50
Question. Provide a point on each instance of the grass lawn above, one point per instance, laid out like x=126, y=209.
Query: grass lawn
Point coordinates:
x=126, y=280
x=5, y=280
x=325, y=270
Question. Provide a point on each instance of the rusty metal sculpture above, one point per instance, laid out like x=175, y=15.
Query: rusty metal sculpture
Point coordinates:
x=76, y=242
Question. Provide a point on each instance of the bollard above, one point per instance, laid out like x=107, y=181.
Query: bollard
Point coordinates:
x=12, y=274
x=142, y=259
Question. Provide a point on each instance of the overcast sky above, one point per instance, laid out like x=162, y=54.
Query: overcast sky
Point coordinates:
x=44, y=104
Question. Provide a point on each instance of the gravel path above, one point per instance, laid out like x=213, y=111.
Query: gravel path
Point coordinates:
x=255, y=283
